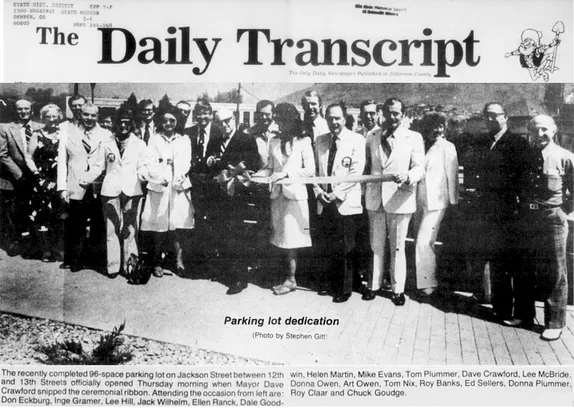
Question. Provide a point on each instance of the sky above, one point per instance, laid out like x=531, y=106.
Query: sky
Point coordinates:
x=251, y=92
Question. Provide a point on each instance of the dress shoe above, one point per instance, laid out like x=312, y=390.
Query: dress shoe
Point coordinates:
x=551, y=334
x=157, y=271
x=386, y=285
x=398, y=299
x=65, y=265
x=57, y=256
x=75, y=267
x=426, y=292
x=236, y=288
x=284, y=289
x=368, y=295
x=113, y=275
x=324, y=292
x=512, y=322
x=342, y=298
x=46, y=256
x=14, y=249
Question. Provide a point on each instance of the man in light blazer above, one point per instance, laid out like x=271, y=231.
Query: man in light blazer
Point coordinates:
x=16, y=176
x=395, y=150
x=125, y=159
x=338, y=153
x=80, y=164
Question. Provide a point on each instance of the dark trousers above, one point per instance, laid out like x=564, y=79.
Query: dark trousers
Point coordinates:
x=238, y=250
x=205, y=236
x=78, y=249
x=502, y=236
x=8, y=217
x=17, y=210
x=543, y=273
x=336, y=243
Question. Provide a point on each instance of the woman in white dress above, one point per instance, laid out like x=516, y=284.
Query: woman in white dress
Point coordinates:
x=168, y=209
x=435, y=192
x=290, y=156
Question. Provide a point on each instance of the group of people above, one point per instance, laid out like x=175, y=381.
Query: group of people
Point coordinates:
x=148, y=187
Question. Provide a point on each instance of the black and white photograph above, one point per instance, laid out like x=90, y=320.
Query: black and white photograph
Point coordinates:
x=300, y=203
x=329, y=224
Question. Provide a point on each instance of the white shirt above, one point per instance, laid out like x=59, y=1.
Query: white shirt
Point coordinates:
x=320, y=126
x=23, y=135
x=497, y=137
x=207, y=131
x=226, y=141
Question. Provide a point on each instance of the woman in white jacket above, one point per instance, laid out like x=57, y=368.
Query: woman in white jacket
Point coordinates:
x=290, y=155
x=435, y=192
x=122, y=191
x=168, y=209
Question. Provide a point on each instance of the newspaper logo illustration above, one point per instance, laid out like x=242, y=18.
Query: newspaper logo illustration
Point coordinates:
x=538, y=58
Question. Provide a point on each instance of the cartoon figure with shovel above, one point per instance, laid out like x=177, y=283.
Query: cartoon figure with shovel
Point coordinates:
x=539, y=59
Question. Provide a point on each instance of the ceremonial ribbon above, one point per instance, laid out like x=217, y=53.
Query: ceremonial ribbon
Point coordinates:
x=230, y=177
x=327, y=179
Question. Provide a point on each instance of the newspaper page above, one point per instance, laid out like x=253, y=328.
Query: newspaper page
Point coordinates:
x=299, y=203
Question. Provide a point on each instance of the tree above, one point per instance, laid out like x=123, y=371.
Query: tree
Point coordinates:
x=40, y=96
x=231, y=96
x=131, y=103
x=164, y=104
x=204, y=97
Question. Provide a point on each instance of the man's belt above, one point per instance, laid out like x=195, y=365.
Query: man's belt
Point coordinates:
x=537, y=206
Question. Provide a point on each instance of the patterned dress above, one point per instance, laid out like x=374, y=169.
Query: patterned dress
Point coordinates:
x=45, y=198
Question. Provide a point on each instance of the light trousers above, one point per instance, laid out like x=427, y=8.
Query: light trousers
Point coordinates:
x=121, y=214
x=427, y=225
x=395, y=226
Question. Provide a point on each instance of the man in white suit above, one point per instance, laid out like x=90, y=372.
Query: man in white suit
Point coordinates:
x=338, y=153
x=80, y=163
x=395, y=150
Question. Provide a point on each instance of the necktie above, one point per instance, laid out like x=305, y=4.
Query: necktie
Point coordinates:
x=385, y=143
x=28, y=132
x=223, y=147
x=86, y=142
x=146, y=133
x=331, y=160
x=121, y=147
x=332, y=153
x=200, y=142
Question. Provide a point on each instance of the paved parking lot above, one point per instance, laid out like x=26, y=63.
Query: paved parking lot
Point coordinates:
x=192, y=310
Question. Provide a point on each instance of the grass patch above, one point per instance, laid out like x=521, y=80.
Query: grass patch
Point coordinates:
x=109, y=351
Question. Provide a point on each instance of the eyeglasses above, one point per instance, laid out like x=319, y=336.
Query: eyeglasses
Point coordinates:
x=492, y=115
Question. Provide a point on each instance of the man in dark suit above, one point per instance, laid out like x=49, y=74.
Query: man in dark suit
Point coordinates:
x=75, y=104
x=145, y=127
x=206, y=139
x=183, y=109
x=500, y=185
x=236, y=148
x=16, y=176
